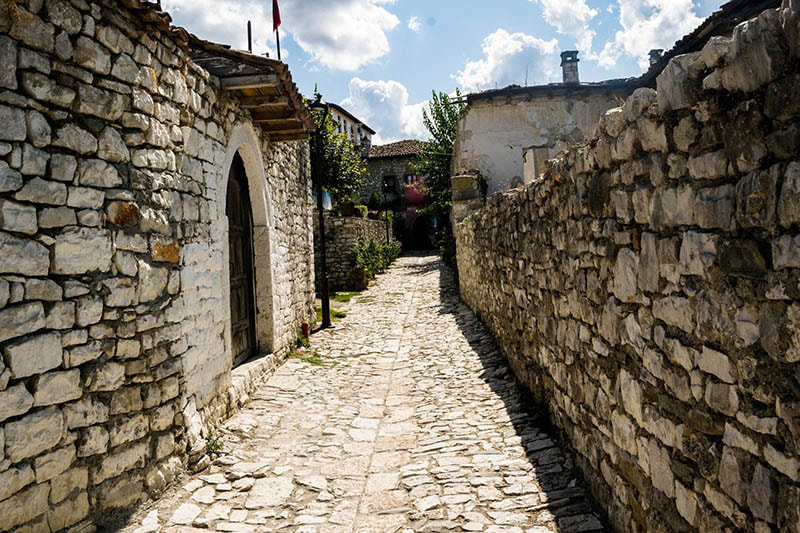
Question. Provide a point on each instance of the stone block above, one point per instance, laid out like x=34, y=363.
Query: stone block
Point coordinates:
x=76, y=139
x=92, y=55
x=68, y=513
x=34, y=355
x=82, y=250
x=756, y=193
x=675, y=311
x=730, y=476
x=25, y=506
x=127, y=429
x=23, y=256
x=722, y=398
x=698, y=253
x=126, y=400
x=718, y=364
x=743, y=259
x=88, y=352
x=62, y=167
x=17, y=217
x=42, y=191
x=54, y=463
x=152, y=282
x=56, y=217
x=8, y=63
x=61, y=486
x=714, y=207
x=15, y=479
x=32, y=30
x=625, y=275
x=108, y=377
x=40, y=87
x=107, y=105
x=93, y=441
x=88, y=311
x=762, y=496
x=85, y=412
x=111, y=147
x=58, y=387
x=43, y=289
x=121, y=461
x=779, y=327
x=789, y=201
x=672, y=207
x=786, y=252
x=756, y=55
x=21, y=319
x=686, y=502
x=33, y=434
x=713, y=165
x=85, y=197
x=674, y=84
x=121, y=292
x=14, y=401
x=10, y=179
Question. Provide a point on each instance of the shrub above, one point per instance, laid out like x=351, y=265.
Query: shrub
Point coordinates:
x=361, y=211
x=374, y=202
x=373, y=257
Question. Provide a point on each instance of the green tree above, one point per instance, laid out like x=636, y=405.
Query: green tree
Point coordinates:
x=343, y=168
x=440, y=119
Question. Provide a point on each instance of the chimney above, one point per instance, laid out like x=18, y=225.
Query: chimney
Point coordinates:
x=569, y=66
x=655, y=56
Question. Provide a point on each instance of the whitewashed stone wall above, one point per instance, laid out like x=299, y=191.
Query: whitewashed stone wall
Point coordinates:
x=114, y=307
x=646, y=289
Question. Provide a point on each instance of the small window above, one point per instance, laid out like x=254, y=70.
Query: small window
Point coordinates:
x=389, y=184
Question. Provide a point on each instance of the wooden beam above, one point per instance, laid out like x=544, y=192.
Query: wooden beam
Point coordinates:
x=273, y=113
x=289, y=137
x=255, y=102
x=255, y=81
x=280, y=124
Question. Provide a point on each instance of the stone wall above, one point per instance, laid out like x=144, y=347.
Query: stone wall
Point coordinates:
x=646, y=289
x=341, y=236
x=114, y=304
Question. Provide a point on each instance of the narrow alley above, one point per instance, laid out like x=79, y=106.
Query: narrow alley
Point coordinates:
x=404, y=417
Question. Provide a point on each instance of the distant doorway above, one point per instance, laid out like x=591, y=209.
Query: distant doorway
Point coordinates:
x=240, y=242
x=423, y=233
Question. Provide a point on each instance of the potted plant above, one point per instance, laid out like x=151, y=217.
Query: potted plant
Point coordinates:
x=358, y=278
x=347, y=208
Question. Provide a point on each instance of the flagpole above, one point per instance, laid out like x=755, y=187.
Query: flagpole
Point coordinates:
x=278, y=38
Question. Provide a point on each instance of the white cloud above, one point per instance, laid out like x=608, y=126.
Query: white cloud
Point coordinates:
x=648, y=24
x=337, y=34
x=571, y=18
x=508, y=58
x=415, y=24
x=384, y=106
x=225, y=21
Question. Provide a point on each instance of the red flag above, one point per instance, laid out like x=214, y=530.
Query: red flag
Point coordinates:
x=276, y=15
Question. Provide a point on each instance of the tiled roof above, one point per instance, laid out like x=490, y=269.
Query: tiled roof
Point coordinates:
x=397, y=149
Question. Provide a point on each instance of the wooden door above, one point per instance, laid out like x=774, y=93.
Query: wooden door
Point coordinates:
x=240, y=240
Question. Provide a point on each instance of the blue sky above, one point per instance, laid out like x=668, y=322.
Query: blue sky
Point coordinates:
x=382, y=58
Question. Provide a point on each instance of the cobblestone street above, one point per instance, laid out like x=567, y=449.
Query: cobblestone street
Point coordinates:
x=407, y=419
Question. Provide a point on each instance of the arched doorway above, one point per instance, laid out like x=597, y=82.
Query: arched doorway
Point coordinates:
x=423, y=233
x=240, y=258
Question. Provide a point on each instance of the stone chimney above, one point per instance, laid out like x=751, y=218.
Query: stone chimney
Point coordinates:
x=569, y=65
x=655, y=56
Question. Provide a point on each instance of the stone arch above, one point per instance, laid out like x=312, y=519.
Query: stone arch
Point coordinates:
x=245, y=142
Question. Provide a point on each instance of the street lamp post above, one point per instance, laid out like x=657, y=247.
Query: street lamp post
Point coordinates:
x=316, y=168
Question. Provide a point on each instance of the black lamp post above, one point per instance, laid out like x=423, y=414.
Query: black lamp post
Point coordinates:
x=318, y=106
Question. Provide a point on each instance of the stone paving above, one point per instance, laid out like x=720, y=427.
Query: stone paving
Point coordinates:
x=402, y=418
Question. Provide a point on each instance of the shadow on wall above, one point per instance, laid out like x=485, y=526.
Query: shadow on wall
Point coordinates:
x=563, y=494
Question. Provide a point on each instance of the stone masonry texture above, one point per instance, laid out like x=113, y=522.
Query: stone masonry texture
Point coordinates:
x=402, y=418
x=646, y=289
x=341, y=236
x=115, y=356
